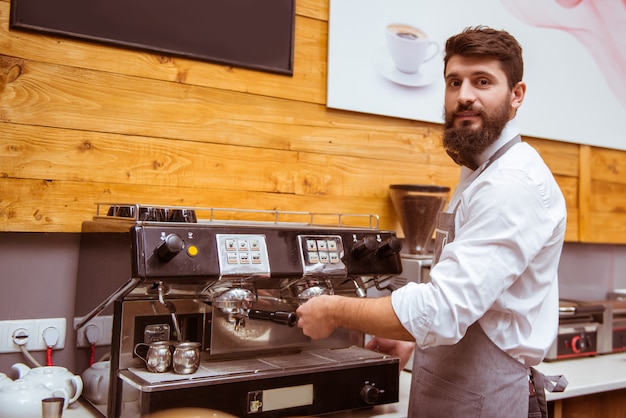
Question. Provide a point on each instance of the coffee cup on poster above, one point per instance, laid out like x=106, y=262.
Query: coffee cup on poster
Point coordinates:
x=409, y=47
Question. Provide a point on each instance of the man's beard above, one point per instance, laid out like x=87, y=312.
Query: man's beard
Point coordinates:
x=465, y=143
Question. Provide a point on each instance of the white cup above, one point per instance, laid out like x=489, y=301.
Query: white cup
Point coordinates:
x=409, y=47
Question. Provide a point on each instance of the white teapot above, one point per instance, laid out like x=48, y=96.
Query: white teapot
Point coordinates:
x=52, y=377
x=22, y=399
x=96, y=384
x=96, y=381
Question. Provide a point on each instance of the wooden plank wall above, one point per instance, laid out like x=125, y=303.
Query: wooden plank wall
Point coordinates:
x=82, y=123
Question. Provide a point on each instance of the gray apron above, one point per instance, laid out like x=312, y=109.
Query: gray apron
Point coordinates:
x=474, y=377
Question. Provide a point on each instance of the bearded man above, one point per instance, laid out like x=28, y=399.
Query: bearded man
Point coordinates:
x=490, y=310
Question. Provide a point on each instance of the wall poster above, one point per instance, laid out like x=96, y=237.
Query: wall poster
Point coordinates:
x=574, y=57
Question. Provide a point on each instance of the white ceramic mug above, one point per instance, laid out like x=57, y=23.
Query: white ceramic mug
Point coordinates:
x=409, y=47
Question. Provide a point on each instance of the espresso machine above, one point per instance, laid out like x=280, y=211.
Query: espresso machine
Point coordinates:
x=231, y=280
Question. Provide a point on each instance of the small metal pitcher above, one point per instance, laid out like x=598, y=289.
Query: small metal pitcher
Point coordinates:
x=186, y=359
x=158, y=359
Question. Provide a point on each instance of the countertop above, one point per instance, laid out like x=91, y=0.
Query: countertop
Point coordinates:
x=586, y=376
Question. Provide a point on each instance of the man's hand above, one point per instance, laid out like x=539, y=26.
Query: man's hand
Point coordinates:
x=315, y=317
x=321, y=315
x=402, y=349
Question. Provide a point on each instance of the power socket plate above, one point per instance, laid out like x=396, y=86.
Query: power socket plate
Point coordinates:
x=35, y=330
x=103, y=329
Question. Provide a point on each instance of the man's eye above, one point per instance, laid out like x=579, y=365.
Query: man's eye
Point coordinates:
x=483, y=82
x=454, y=83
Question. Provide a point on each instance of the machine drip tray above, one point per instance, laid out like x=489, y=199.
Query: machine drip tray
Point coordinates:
x=308, y=361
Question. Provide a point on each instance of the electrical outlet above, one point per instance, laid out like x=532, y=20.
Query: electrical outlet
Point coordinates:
x=30, y=333
x=98, y=328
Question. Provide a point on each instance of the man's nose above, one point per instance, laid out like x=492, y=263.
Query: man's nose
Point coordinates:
x=466, y=93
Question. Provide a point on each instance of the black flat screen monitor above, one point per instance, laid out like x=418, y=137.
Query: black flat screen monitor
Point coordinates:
x=254, y=34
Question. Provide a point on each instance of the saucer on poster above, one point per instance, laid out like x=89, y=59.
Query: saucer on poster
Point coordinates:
x=426, y=75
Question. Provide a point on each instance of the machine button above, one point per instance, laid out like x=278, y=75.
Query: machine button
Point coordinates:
x=230, y=245
x=369, y=394
x=192, y=250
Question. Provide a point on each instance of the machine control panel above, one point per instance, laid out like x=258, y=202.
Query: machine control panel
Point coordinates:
x=242, y=254
x=322, y=255
x=181, y=251
x=576, y=341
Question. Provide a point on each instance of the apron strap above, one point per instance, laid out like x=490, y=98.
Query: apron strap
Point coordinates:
x=541, y=383
x=504, y=148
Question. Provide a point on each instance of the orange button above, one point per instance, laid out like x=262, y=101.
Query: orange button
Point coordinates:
x=192, y=250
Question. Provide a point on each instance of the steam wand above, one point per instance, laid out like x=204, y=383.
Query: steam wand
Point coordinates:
x=170, y=306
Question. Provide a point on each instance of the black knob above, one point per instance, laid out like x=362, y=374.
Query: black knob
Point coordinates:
x=370, y=394
x=169, y=247
x=365, y=246
x=389, y=247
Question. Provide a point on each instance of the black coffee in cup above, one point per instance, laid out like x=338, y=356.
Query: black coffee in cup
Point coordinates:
x=407, y=32
x=407, y=35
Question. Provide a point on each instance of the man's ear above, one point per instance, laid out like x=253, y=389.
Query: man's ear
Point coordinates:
x=517, y=95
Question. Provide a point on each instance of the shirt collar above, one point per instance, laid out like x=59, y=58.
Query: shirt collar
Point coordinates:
x=510, y=131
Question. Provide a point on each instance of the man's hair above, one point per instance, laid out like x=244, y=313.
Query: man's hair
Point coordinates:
x=481, y=41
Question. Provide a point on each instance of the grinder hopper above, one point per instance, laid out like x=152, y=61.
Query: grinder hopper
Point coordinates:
x=417, y=207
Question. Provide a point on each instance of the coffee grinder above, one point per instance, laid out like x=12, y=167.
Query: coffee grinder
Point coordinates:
x=417, y=207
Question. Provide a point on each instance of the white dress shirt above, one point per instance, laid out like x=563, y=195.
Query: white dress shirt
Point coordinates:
x=501, y=268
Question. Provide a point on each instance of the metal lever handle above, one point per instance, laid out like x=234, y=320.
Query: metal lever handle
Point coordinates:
x=280, y=317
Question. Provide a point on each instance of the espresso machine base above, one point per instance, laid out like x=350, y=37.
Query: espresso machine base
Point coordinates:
x=354, y=379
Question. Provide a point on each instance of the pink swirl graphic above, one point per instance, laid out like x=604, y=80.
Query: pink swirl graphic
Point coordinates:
x=599, y=25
